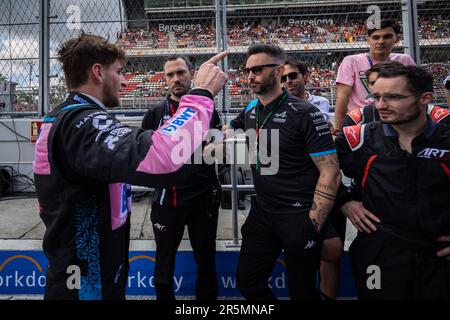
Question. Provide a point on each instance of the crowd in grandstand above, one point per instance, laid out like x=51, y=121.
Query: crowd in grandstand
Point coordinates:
x=197, y=36
x=145, y=83
x=435, y=28
x=151, y=38
x=288, y=32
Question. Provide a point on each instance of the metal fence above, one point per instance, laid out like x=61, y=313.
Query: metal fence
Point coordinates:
x=320, y=33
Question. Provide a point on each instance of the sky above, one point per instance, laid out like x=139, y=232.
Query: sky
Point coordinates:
x=19, y=32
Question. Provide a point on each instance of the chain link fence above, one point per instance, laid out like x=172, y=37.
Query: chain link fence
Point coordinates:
x=19, y=56
x=68, y=18
x=321, y=33
x=434, y=35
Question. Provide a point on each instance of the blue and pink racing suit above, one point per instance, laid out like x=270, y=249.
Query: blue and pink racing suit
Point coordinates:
x=84, y=158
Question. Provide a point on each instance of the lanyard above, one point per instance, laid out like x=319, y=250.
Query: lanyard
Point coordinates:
x=169, y=110
x=259, y=127
x=169, y=107
x=369, y=59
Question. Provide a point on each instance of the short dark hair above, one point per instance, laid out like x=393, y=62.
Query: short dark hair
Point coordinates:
x=300, y=65
x=78, y=55
x=418, y=80
x=186, y=60
x=271, y=50
x=378, y=66
x=386, y=23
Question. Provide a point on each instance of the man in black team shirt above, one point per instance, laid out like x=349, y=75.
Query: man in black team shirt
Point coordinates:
x=194, y=203
x=292, y=204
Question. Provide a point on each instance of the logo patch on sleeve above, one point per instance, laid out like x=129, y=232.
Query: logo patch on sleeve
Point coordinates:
x=178, y=122
x=354, y=136
x=438, y=114
x=356, y=116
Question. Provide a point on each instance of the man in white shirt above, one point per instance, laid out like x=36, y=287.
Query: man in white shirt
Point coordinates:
x=294, y=80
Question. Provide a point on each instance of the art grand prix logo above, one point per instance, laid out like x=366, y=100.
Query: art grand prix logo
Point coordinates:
x=21, y=273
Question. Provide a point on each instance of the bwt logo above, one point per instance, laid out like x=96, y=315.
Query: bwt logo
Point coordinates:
x=17, y=278
x=178, y=122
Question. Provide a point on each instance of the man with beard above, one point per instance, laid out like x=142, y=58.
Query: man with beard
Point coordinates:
x=351, y=82
x=354, y=209
x=402, y=167
x=292, y=201
x=294, y=81
x=84, y=157
x=194, y=203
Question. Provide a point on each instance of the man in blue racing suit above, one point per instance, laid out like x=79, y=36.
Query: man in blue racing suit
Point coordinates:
x=84, y=157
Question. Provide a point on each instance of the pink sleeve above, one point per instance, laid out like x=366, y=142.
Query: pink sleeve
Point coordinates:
x=408, y=61
x=175, y=142
x=346, y=74
x=41, y=163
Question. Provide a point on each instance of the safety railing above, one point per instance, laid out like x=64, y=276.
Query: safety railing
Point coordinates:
x=233, y=187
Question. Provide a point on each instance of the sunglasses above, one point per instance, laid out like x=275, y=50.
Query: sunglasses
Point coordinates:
x=290, y=75
x=256, y=70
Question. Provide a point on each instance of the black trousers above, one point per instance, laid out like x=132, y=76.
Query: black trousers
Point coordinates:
x=406, y=271
x=264, y=236
x=168, y=226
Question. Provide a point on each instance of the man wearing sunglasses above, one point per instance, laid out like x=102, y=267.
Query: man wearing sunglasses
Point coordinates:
x=291, y=204
x=351, y=82
x=401, y=165
x=294, y=80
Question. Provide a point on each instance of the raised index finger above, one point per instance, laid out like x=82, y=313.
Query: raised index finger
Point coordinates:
x=217, y=57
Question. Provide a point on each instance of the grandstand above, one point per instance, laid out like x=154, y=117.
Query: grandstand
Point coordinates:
x=321, y=34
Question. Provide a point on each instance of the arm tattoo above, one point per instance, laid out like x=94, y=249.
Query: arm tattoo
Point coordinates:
x=328, y=196
x=316, y=225
x=319, y=159
x=326, y=187
x=330, y=160
x=323, y=212
x=322, y=209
